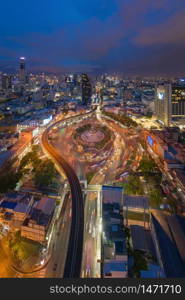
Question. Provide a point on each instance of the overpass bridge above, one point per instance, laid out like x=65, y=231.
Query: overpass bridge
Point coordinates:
x=75, y=247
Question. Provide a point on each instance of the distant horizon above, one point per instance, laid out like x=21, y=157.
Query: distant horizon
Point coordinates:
x=29, y=71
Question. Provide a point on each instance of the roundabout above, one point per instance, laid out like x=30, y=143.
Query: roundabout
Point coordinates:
x=92, y=136
x=90, y=139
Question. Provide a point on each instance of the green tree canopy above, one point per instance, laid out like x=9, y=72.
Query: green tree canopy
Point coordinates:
x=9, y=181
x=133, y=186
x=44, y=173
x=147, y=165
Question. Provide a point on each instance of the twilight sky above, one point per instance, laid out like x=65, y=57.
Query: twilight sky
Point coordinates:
x=136, y=37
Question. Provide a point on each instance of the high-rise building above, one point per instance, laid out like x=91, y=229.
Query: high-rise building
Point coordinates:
x=163, y=104
x=169, y=103
x=6, y=82
x=70, y=84
x=178, y=101
x=86, y=89
x=22, y=70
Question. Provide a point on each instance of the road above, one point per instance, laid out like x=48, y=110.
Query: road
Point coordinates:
x=122, y=149
x=61, y=238
x=73, y=261
x=124, y=146
x=92, y=237
x=91, y=248
x=91, y=266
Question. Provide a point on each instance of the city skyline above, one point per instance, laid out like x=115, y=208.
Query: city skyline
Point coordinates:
x=128, y=37
x=88, y=165
x=92, y=141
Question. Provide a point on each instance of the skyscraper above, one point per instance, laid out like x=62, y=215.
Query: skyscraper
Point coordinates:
x=22, y=70
x=178, y=101
x=169, y=103
x=86, y=89
x=6, y=82
x=163, y=103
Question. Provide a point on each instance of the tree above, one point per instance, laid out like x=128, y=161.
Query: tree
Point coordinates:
x=36, y=163
x=65, y=111
x=140, y=262
x=9, y=181
x=89, y=176
x=155, y=197
x=22, y=248
x=35, y=148
x=30, y=158
x=153, y=179
x=149, y=114
x=44, y=173
x=147, y=165
x=133, y=186
x=123, y=119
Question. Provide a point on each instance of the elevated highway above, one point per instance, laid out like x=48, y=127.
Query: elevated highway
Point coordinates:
x=75, y=247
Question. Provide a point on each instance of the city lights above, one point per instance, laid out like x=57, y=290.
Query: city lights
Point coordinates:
x=92, y=141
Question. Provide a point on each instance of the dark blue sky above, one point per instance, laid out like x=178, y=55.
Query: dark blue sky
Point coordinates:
x=130, y=36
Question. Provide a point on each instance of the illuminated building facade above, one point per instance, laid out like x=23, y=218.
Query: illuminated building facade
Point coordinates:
x=169, y=103
x=178, y=101
x=163, y=104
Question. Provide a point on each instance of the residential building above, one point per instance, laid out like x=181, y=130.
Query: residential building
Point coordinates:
x=114, y=252
x=36, y=226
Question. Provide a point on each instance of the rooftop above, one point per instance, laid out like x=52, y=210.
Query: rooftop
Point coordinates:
x=8, y=204
x=4, y=156
x=172, y=262
x=40, y=218
x=153, y=272
x=21, y=207
x=112, y=194
x=116, y=268
x=46, y=205
x=115, y=232
x=177, y=226
x=138, y=236
x=136, y=201
x=120, y=248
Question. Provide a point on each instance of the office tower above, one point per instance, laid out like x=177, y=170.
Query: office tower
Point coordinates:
x=163, y=103
x=75, y=79
x=86, y=89
x=169, y=103
x=6, y=81
x=69, y=84
x=178, y=101
x=22, y=70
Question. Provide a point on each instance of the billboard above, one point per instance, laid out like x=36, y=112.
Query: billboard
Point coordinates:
x=47, y=120
x=160, y=93
x=150, y=140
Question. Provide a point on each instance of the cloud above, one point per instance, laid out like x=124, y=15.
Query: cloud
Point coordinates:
x=128, y=35
x=98, y=8
x=171, y=31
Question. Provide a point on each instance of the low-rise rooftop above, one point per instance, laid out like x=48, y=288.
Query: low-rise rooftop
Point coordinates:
x=166, y=240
